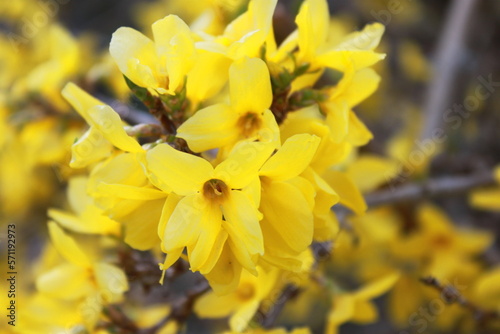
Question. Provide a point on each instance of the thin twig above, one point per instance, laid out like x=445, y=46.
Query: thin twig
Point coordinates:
x=289, y=292
x=129, y=114
x=449, y=49
x=120, y=319
x=450, y=185
x=451, y=295
x=181, y=308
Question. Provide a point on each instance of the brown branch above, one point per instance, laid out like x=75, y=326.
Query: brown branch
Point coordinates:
x=451, y=295
x=129, y=114
x=450, y=185
x=146, y=130
x=181, y=308
x=289, y=292
x=120, y=320
x=449, y=49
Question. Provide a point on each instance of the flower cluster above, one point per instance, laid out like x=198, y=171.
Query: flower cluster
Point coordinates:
x=235, y=177
x=212, y=168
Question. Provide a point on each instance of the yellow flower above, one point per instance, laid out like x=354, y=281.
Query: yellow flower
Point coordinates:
x=81, y=279
x=88, y=218
x=106, y=129
x=347, y=190
x=447, y=246
x=201, y=196
x=288, y=221
x=245, y=35
x=314, y=48
x=353, y=88
x=370, y=171
x=310, y=120
x=357, y=306
x=122, y=190
x=240, y=304
x=161, y=65
x=247, y=117
x=61, y=60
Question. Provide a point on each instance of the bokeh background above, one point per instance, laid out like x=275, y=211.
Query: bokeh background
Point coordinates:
x=419, y=63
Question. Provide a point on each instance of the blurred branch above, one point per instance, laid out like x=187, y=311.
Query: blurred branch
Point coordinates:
x=181, y=308
x=288, y=293
x=451, y=295
x=448, y=54
x=448, y=185
x=129, y=114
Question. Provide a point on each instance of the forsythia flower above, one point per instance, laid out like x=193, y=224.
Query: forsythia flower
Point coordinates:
x=161, y=65
x=88, y=218
x=106, y=129
x=240, y=304
x=357, y=305
x=202, y=196
x=95, y=283
x=247, y=117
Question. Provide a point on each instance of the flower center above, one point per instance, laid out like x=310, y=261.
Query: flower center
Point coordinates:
x=249, y=123
x=245, y=291
x=215, y=190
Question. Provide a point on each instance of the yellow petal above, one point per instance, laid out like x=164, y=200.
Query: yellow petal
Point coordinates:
x=141, y=224
x=404, y=299
x=90, y=148
x=365, y=312
x=243, y=163
x=170, y=259
x=337, y=118
x=184, y=173
x=66, y=281
x=487, y=289
x=215, y=253
x=289, y=215
x=250, y=86
x=341, y=59
x=106, y=120
x=130, y=192
x=225, y=275
x=210, y=305
x=183, y=227
x=367, y=39
x=363, y=84
x=80, y=100
x=486, y=199
x=208, y=76
x=210, y=224
x=135, y=56
x=77, y=194
x=112, y=282
x=175, y=47
x=243, y=222
x=167, y=210
x=211, y=127
x=349, y=195
x=378, y=287
x=249, y=31
x=312, y=21
x=369, y=171
x=240, y=320
x=66, y=246
x=292, y=158
x=342, y=311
